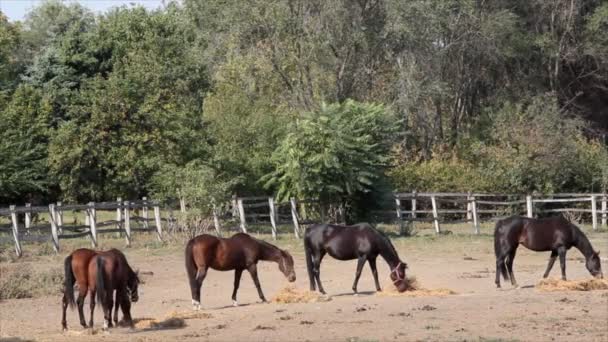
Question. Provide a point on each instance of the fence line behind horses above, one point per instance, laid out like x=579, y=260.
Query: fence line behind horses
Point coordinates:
x=57, y=229
x=437, y=208
x=444, y=207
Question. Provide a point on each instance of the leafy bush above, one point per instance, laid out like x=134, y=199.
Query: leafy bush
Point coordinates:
x=334, y=154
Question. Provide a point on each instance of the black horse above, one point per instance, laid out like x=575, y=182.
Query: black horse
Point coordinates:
x=361, y=242
x=555, y=234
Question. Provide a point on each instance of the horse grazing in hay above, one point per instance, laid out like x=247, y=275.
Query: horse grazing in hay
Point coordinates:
x=238, y=253
x=361, y=242
x=555, y=234
x=99, y=273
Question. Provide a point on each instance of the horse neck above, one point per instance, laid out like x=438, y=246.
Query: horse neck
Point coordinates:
x=388, y=253
x=582, y=243
x=270, y=253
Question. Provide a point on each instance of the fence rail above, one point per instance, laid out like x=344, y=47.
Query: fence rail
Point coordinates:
x=476, y=210
x=410, y=207
x=56, y=229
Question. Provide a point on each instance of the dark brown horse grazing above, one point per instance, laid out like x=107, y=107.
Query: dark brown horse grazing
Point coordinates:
x=77, y=272
x=238, y=253
x=361, y=242
x=555, y=234
x=108, y=272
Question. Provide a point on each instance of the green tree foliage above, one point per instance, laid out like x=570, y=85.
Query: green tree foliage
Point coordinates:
x=334, y=153
x=23, y=152
x=483, y=95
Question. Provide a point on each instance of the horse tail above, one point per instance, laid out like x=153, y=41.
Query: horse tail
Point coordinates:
x=101, y=283
x=191, y=267
x=498, y=252
x=68, y=290
x=308, y=256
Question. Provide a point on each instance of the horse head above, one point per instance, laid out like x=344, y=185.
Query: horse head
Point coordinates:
x=132, y=285
x=286, y=266
x=398, y=276
x=594, y=265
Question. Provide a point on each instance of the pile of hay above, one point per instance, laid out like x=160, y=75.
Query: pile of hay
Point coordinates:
x=572, y=285
x=290, y=294
x=413, y=289
x=172, y=320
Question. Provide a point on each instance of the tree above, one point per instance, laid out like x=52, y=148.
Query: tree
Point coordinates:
x=334, y=154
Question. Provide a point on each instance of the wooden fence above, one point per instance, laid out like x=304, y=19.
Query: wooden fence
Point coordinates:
x=444, y=207
x=411, y=207
x=56, y=229
x=265, y=210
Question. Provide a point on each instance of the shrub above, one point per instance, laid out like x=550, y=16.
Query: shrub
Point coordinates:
x=22, y=281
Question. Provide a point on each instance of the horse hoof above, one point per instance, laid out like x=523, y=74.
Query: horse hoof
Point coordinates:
x=235, y=303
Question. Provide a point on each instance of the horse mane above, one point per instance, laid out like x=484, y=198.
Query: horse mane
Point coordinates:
x=387, y=240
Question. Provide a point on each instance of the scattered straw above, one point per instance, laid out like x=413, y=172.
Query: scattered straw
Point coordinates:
x=572, y=285
x=172, y=320
x=290, y=294
x=413, y=289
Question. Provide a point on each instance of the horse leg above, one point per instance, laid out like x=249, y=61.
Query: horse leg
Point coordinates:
x=562, y=260
x=64, y=323
x=110, y=307
x=237, y=281
x=317, y=270
x=253, y=270
x=125, y=306
x=360, y=263
x=92, y=306
x=195, y=286
x=510, y=259
x=372, y=265
x=551, y=262
x=106, y=305
x=116, y=306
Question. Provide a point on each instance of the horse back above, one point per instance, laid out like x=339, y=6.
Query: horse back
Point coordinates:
x=80, y=265
x=220, y=254
x=344, y=242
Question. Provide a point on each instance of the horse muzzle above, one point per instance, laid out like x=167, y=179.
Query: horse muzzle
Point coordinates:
x=291, y=278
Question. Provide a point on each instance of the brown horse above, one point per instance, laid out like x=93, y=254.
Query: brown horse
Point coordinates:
x=76, y=267
x=362, y=242
x=238, y=253
x=555, y=234
x=108, y=272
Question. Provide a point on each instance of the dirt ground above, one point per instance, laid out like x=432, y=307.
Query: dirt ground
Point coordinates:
x=463, y=263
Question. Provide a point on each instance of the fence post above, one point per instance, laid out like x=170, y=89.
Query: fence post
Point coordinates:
x=529, y=206
x=469, y=207
x=59, y=216
x=145, y=212
x=127, y=223
x=159, y=229
x=272, y=217
x=182, y=205
x=413, y=204
x=473, y=205
x=294, y=217
x=239, y=203
x=54, y=229
x=119, y=216
x=435, y=215
x=28, y=216
x=399, y=218
x=216, y=221
x=15, y=230
x=92, y=223
x=235, y=209
x=594, y=212
x=604, y=213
